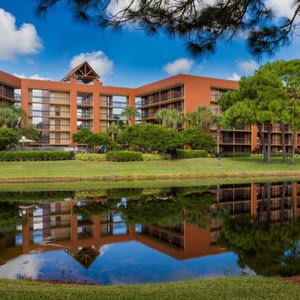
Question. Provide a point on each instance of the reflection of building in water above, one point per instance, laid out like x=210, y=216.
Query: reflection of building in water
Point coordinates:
x=54, y=225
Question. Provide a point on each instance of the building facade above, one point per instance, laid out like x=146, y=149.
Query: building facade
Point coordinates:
x=81, y=100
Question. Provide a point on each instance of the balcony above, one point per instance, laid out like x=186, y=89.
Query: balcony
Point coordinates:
x=150, y=100
x=85, y=102
x=84, y=115
x=241, y=141
x=9, y=96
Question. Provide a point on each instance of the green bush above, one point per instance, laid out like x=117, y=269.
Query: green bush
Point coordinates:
x=235, y=154
x=149, y=138
x=192, y=153
x=151, y=157
x=198, y=139
x=35, y=155
x=124, y=156
x=8, y=137
x=90, y=157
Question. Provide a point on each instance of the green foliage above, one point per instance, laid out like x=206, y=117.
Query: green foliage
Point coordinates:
x=8, y=137
x=268, y=249
x=192, y=153
x=11, y=115
x=118, y=156
x=198, y=139
x=150, y=137
x=81, y=136
x=90, y=156
x=170, y=118
x=130, y=112
x=9, y=218
x=35, y=155
x=86, y=137
x=236, y=154
x=152, y=157
x=200, y=117
x=30, y=132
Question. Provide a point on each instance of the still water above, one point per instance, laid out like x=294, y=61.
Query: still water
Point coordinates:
x=124, y=236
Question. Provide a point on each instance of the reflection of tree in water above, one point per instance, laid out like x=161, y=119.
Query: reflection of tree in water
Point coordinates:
x=266, y=248
x=165, y=207
x=9, y=217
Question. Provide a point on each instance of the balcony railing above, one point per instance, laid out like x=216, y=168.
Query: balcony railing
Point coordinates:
x=12, y=96
x=84, y=115
x=243, y=141
x=156, y=99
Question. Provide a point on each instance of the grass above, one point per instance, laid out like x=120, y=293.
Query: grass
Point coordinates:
x=148, y=170
x=101, y=185
x=223, y=288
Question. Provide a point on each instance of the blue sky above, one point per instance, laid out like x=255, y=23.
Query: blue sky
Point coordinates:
x=128, y=57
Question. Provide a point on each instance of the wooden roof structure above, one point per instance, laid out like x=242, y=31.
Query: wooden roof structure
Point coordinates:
x=84, y=72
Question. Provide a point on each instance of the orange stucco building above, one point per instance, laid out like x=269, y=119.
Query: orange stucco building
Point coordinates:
x=81, y=100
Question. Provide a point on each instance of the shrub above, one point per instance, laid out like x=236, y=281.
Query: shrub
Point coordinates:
x=198, y=139
x=192, y=153
x=124, y=156
x=8, y=137
x=149, y=138
x=90, y=157
x=35, y=155
x=85, y=136
x=151, y=157
x=235, y=154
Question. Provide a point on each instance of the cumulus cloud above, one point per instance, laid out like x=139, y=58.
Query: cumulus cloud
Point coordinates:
x=97, y=59
x=17, y=41
x=181, y=65
x=235, y=77
x=34, y=76
x=248, y=66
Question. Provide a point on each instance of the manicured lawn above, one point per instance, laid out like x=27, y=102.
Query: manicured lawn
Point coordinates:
x=100, y=185
x=227, y=288
x=188, y=168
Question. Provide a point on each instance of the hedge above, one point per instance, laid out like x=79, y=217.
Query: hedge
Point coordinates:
x=124, y=156
x=35, y=155
x=151, y=157
x=235, y=154
x=192, y=153
x=90, y=157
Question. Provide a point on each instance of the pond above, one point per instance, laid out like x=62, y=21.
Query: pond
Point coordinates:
x=126, y=236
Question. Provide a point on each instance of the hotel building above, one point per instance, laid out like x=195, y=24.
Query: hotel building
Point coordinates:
x=81, y=100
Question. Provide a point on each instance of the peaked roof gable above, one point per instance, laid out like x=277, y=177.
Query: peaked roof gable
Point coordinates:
x=83, y=72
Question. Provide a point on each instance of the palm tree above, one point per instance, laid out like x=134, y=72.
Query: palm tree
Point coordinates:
x=216, y=121
x=170, y=117
x=11, y=116
x=199, y=117
x=130, y=112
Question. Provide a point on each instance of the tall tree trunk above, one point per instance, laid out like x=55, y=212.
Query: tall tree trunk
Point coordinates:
x=284, y=153
x=269, y=190
x=293, y=146
x=269, y=157
x=283, y=195
x=262, y=140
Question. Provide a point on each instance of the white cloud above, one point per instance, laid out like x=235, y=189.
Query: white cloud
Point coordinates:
x=282, y=8
x=235, y=77
x=34, y=76
x=97, y=59
x=248, y=66
x=181, y=65
x=16, y=41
